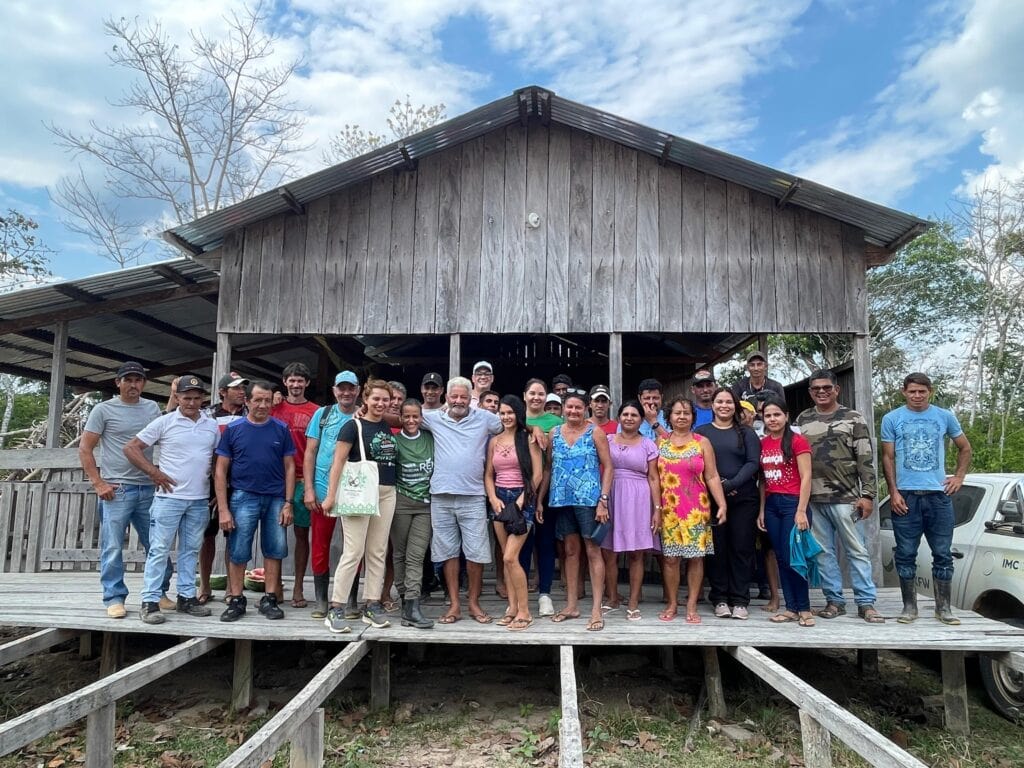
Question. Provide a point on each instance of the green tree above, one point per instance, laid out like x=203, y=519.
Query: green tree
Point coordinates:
x=23, y=257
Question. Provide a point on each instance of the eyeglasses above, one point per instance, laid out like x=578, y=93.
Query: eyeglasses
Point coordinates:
x=483, y=373
x=823, y=388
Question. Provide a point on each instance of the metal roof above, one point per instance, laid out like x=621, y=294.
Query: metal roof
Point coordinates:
x=883, y=227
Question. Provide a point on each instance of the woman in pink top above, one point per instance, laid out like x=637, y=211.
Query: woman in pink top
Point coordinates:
x=513, y=473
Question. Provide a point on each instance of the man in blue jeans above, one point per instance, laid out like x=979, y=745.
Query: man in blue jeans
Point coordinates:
x=914, y=463
x=256, y=458
x=187, y=437
x=125, y=492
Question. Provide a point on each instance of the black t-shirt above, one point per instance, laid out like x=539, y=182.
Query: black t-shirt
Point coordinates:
x=737, y=460
x=379, y=444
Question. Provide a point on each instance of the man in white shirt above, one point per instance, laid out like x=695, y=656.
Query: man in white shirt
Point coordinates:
x=187, y=437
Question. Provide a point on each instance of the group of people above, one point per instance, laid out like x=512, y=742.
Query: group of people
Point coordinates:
x=701, y=484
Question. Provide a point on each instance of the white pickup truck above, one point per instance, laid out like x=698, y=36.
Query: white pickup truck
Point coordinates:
x=988, y=575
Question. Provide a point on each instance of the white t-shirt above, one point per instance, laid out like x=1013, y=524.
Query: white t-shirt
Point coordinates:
x=186, y=452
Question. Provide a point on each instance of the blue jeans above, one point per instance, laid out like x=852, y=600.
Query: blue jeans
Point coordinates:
x=130, y=506
x=830, y=520
x=930, y=513
x=253, y=511
x=186, y=518
x=779, y=519
x=543, y=536
x=511, y=494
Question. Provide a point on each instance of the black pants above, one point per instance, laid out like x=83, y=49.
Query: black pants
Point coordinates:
x=731, y=568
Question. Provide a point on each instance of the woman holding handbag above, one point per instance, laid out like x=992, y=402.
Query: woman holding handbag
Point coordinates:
x=512, y=475
x=361, y=490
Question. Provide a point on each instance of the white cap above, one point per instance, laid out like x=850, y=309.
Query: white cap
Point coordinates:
x=482, y=364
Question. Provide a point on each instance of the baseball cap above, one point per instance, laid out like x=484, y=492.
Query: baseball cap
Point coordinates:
x=482, y=364
x=346, y=377
x=131, y=367
x=703, y=375
x=432, y=378
x=227, y=381
x=190, y=383
x=600, y=390
x=552, y=398
x=757, y=353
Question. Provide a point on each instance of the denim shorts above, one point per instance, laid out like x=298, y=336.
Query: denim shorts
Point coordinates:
x=579, y=520
x=511, y=494
x=252, y=511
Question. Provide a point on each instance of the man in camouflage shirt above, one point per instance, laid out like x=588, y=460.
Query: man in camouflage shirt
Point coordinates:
x=842, y=494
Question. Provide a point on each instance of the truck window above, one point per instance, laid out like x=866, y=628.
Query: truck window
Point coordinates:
x=965, y=504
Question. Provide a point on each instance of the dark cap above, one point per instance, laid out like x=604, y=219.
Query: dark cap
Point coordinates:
x=131, y=368
x=432, y=378
x=703, y=375
x=600, y=390
x=190, y=383
x=227, y=381
x=757, y=353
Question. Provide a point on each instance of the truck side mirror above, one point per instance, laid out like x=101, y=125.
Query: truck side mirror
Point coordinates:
x=1009, y=510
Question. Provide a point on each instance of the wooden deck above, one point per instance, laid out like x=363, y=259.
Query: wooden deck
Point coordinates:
x=73, y=600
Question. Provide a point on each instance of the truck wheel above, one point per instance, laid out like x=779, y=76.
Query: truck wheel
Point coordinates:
x=1004, y=685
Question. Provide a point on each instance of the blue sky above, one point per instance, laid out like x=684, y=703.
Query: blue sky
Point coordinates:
x=906, y=103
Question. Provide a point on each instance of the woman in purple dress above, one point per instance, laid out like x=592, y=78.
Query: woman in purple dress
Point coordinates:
x=636, y=498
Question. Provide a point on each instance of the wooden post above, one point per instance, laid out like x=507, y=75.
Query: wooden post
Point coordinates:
x=241, y=681
x=863, y=403
x=307, y=749
x=454, y=355
x=99, y=724
x=570, y=737
x=867, y=662
x=713, y=682
x=221, y=361
x=86, y=646
x=667, y=658
x=954, y=692
x=615, y=368
x=55, y=412
x=380, y=677
x=817, y=742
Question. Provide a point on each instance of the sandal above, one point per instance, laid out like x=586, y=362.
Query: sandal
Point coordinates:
x=561, y=616
x=831, y=610
x=595, y=625
x=505, y=620
x=667, y=615
x=870, y=615
x=632, y=615
x=204, y=597
x=449, y=618
x=299, y=602
x=806, y=619
x=693, y=618
x=783, y=618
x=518, y=625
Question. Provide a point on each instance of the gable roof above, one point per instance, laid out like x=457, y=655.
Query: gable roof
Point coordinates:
x=883, y=227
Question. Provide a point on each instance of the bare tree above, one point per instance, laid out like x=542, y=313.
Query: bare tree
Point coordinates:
x=405, y=120
x=210, y=126
x=23, y=257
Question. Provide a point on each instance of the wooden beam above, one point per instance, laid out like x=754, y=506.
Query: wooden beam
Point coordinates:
x=524, y=109
x=570, y=738
x=410, y=164
x=544, y=107
x=262, y=745
x=863, y=402
x=841, y=723
x=76, y=345
x=58, y=369
x=39, y=458
x=107, y=307
x=380, y=677
x=791, y=190
x=307, y=747
x=286, y=194
x=666, y=150
x=816, y=742
x=37, y=641
x=713, y=682
x=454, y=355
x=907, y=236
x=221, y=363
x=181, y=243
x=954, y=693
x=615, y=368
x=241, y=677
x=35, y=724
x=30, y=373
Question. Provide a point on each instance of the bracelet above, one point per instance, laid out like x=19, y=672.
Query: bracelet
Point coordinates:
x=289, y=501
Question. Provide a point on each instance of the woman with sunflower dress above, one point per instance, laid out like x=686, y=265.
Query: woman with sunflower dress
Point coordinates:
x=686, y=467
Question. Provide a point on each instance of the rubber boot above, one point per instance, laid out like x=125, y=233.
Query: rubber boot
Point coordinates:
x=320, y=583
x=413, y=617
x=352, y=606
x=943, y=610
x=908, y=588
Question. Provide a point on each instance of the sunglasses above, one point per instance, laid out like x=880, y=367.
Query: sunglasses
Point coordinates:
x=823, y=388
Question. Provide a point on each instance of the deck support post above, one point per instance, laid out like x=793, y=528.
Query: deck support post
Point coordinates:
x=867, y=662
x=615, y=366
x=86, y=646
x=713, y=682
x=570, y=737
x=954, y=692
x=454, y=355
x=241, y=679
x=863, y=404
x=817, y=742
x=667, y=658
x=307, y=749
x=55, y=412
x=99, y=724
x=221, y=363
x=380, y=677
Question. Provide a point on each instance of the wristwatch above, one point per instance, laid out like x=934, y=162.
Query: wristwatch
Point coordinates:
x=603, y=497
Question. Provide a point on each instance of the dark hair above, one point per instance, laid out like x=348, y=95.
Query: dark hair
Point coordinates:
x=296, y=369
x=917, y=378
x=522, y=443
x=648, y=385
x=488, y=392
x=823, y=373
x=578, y=394
x=631, y=404
x=736, y=424
x=412, y=402
x=681, y=399
x=787, y=432
x=561, y=378
x=531, y=382
x=258, y=384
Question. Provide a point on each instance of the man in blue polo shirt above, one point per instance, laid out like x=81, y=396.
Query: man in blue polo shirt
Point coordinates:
x=256, y=457
x=914, y=462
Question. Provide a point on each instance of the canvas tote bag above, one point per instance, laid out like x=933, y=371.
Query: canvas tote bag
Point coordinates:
x=358, y=490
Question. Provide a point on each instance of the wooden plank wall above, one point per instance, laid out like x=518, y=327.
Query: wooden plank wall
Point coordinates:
x=619, y=243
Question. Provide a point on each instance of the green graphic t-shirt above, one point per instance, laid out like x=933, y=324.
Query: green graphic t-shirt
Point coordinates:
x=415, y=464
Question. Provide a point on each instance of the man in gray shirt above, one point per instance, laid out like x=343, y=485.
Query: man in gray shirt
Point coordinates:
x=125, y=492
x=458, y=509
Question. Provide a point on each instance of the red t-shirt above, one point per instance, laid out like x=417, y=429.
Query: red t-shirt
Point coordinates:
x=781, y=476
x=610, y=427
x=296, y=418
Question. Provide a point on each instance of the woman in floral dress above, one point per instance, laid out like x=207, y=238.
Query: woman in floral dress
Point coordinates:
x=686, y=468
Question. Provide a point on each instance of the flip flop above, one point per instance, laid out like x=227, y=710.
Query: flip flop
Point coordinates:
x=806, y=621
x=609, y=608
x=667, y=616
x=204, y=597
x=481, y=618
x=518, y=625
x=561, y=616
x=505, y=620
x=595, y=625
x=299, y=602
x=783, y=618
x=693, y=618
x=633, y=615
x=449, y=618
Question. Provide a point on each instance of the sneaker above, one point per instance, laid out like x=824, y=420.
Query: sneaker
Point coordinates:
x=336, y=621
x=235, y=609
x=150, y=614
x=353, y=612
x=269, y=607
x=740, y=612
x=544, y=606
x=116, y=611
x=722, y=611
x=166, y=604
x=373, y=614
x=191, y=606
